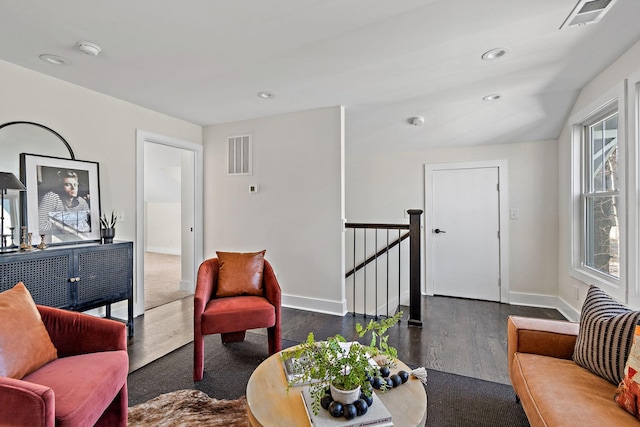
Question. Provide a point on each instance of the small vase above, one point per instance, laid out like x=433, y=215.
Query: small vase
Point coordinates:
x=344, y=397
x=107, y=234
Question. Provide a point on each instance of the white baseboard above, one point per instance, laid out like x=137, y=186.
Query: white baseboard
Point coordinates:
x=568, y=311
x=544, y=301
x=118, y=310
x=163, y=250
x=312, y=304
x=186, y=285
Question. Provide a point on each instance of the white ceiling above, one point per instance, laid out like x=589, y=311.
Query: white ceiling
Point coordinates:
x=385, y=61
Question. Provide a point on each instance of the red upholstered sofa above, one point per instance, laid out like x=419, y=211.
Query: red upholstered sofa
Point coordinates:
x=85, y=386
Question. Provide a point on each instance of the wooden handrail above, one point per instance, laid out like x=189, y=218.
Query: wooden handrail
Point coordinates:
x=381, y=226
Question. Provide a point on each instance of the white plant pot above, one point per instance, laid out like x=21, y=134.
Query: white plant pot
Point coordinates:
x=343, y=396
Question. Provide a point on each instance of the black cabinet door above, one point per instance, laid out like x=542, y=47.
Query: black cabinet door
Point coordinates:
x=102, y=274
x=46, y=276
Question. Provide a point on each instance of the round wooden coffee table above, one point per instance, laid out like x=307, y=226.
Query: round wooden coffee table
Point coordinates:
x=270, y=405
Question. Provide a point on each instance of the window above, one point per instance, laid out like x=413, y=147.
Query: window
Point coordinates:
x=601, y=196
x=598, y=243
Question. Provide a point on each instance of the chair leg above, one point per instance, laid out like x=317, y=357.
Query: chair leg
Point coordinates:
x=275, y=340
x=198, y=357
x=230, y=337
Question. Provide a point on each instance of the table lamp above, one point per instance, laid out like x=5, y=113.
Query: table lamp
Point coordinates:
x=8, y=181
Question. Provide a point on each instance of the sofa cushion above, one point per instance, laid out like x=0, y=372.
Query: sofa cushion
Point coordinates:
x=240, y=274
x=83, y=385
x=628, y=392
x=605, y=336
x=558, y=392
x=25, y=344
x=224, y=315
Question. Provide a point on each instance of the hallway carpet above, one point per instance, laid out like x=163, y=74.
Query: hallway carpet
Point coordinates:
x=161, y=279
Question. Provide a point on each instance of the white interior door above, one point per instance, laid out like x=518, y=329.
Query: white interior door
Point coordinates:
x=465, y=232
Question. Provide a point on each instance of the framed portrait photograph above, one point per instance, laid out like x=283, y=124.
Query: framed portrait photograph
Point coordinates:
x=62, y=200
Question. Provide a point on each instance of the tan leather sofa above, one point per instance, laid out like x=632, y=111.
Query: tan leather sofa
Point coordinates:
x=552, y=388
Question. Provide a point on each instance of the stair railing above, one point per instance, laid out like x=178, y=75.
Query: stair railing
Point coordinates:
x=409, y=231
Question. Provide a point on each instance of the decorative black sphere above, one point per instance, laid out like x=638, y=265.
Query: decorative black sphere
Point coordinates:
x=361, y=406
x=350, y=411
x=336, y=409
x=385, y=371
x=389, y=383
x=325, y=401
x=404, y=375
x=367, y=399
x=377, y=383
x=396, y=380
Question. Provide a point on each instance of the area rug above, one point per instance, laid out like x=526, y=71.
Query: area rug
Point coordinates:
x=452, y=400
x=188, y=408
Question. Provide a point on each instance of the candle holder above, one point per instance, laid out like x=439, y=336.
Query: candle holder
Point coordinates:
x=42, y=244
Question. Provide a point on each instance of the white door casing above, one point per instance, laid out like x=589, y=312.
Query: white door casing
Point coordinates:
x=196, y=218
x=468, y=201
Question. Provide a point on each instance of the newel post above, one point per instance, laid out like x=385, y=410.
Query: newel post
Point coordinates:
x=415, y=296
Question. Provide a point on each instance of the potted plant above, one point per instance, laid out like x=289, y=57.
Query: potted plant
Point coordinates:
x=337, y=367
x=108, y=227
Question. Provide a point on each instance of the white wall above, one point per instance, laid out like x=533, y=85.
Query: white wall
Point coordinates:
x=98, y=128
x=612, y=76
x=380, y=187
x=163, y=227
x=297, y=214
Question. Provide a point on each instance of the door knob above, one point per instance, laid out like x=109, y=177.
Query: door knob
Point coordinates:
x=438, y=231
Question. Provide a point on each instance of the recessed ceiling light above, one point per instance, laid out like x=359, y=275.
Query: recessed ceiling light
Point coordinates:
x=492, y=97
x=265, y=95
x=54, y=59
x=496, y=53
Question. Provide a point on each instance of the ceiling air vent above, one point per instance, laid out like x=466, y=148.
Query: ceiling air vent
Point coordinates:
x=587, y=12
x=239, y=155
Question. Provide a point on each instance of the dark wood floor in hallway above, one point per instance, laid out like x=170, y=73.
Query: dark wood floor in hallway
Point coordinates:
x=465, y=337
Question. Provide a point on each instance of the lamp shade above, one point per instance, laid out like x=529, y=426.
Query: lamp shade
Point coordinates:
x=8, y=181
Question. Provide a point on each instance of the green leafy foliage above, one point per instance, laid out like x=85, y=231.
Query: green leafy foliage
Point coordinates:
x=345, y=365
x=379, y=339
x=108, y=221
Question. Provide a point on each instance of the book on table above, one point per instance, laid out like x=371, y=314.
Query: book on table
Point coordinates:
x=377, y=415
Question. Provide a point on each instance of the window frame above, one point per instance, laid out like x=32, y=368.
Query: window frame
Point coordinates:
x=633, y=99
x=613, y=101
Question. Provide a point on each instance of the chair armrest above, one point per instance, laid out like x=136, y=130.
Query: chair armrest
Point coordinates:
x=555, y=338
x=207, y=279
x=271, y=286
x=74, y=333
x=26, y=404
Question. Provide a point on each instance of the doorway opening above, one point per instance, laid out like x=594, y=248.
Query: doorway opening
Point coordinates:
x=169, y=222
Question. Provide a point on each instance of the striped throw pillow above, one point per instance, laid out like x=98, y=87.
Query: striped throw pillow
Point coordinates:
x=605, y=336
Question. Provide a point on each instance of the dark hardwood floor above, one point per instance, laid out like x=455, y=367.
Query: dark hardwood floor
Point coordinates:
x=465, y=337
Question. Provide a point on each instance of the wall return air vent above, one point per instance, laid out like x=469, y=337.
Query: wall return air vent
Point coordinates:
x=587, y=12
x=239, y=155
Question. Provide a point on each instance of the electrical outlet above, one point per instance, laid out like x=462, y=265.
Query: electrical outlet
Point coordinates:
x=120, y=216
x=405, y=213
x=577, y=292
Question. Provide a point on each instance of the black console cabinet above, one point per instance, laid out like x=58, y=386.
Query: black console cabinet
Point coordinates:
x=74, y=277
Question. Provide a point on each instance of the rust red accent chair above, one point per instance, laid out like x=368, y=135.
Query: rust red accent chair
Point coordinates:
x=232, y=316
x=85, y=386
